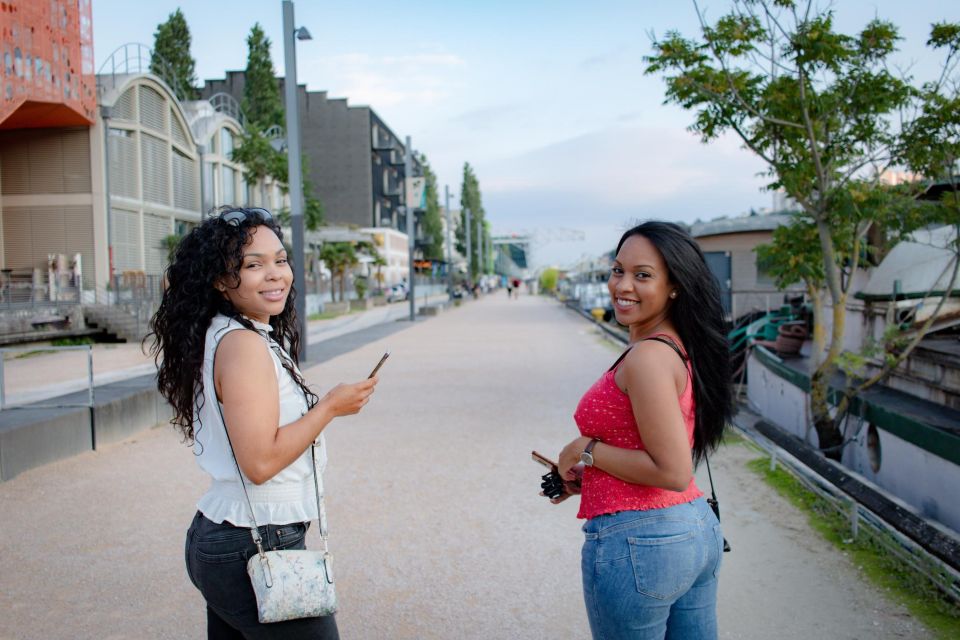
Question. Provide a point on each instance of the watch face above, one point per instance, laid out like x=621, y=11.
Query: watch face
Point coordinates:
x=586, y=458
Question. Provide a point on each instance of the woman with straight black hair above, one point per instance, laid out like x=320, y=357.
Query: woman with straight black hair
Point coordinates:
x=225, y=339
x=653, y=545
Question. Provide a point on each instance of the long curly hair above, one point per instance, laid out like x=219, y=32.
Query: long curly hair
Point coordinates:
x=697, y=314
x=210, y=253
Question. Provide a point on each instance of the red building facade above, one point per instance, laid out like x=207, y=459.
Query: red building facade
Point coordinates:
x=46, y=73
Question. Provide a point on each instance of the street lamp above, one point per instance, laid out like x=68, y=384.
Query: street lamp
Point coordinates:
x=446, y=191
x=293, y=166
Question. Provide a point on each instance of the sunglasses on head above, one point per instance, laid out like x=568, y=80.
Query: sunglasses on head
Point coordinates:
x=237, y=216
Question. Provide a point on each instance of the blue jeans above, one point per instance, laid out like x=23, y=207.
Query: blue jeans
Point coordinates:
x=217, y=555
x=652, y=575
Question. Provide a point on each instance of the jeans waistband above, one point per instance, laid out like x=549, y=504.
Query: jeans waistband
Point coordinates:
x=694, y=512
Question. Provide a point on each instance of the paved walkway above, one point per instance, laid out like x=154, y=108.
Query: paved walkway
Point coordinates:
x=436, y=523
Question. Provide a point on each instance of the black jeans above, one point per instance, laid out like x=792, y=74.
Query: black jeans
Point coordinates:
x=216, y=556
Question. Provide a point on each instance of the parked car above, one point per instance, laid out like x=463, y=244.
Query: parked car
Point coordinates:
x=397, y=293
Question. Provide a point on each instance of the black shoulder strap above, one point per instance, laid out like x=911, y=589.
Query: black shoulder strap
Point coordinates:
x=620, y=359
x=670, y=342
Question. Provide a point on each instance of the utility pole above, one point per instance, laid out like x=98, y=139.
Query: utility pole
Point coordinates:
x=469, y=249
x=295, y=183
x=409, y=209
x=446, y=196
x=479, y=247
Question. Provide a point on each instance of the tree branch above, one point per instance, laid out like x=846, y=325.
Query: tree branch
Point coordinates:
x=888, y=367
x=729, y=76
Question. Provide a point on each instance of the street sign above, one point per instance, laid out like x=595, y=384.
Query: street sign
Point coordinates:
x=416, y=193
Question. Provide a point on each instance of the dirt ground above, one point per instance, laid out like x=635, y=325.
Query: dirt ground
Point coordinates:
x=436, y=524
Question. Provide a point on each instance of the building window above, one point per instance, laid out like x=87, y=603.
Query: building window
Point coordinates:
x=226, y=143
x=229, y=188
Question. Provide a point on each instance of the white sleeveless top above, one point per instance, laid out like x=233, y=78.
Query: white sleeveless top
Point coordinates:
x=287, y=497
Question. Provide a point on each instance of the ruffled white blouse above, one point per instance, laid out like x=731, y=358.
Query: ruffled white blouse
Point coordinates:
x=287, y=497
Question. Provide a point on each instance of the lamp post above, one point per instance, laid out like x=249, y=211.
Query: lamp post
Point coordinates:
x=409, y=208
x=446, y=196
x=469, y=250
x=293, y=165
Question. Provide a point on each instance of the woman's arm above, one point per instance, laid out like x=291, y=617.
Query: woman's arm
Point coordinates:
x=246, y=383
x=654, y=378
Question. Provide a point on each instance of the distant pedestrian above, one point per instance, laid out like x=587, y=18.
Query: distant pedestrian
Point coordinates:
x=653, y=545
x=226, y=342
x=509, y=289
x=516, y=288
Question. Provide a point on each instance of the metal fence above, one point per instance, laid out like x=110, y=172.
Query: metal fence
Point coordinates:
x=33, y=288
x=862, y=520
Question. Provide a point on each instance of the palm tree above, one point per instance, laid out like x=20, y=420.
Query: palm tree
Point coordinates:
x=339, y=258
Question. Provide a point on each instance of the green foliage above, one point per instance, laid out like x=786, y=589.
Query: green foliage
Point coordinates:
x=548, y=280
x=793, y=256
x=361, y=286
x=432, y=224
x=170, y=244
x=170, y=59
x=261, y=102
x=470, y=199
x=258, y=157
x=339, y=257
x=823, y=111
x=894, y=341
x=313, y=213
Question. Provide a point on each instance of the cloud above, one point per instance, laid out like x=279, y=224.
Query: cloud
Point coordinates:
x=422, y=79
x=626, y=166
x=602, y=59
x=486, y=117
x=603, y=182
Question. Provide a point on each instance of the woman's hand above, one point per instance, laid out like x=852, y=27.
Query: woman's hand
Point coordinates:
x=570, y=458
x=570, y=487
x=348, y=399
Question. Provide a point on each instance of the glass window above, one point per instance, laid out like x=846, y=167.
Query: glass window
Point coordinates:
x=229, y=186
x=226, y=143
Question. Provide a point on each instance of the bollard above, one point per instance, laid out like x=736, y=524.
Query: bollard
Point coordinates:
x=773, y=460
x=854, y=520
x=597, y=314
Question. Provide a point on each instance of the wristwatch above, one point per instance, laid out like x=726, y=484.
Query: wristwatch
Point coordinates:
x=587, y=456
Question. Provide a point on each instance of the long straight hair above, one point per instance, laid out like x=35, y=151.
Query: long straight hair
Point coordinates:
x=697, y=315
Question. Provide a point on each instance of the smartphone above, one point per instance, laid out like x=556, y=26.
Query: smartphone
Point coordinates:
x=545, y=461
x=379, y=364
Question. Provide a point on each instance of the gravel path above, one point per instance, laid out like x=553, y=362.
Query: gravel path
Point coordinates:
x=436, y=524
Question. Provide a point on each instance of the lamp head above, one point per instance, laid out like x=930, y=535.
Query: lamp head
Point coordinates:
x=302, y=34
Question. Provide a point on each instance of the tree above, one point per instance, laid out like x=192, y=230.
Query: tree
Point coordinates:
x=432, y=224
x=470, y=200
x=548, y=280
x=821, y=109
x=339, y=257
x=170, y=59
x=263, y=108
x=261, y=103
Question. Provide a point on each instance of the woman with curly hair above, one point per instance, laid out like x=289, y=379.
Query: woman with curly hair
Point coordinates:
x=226, y=332
x=653, y=545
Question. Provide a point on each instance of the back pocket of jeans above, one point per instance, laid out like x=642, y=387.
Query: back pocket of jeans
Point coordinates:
x=664, y=566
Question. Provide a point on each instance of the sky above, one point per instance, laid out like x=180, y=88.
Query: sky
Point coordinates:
x=547, y=100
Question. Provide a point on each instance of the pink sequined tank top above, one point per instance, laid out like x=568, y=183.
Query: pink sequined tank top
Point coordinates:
x=604, y=412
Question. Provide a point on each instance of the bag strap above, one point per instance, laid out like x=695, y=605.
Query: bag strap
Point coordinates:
x=670, y=342
x=255, y=530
